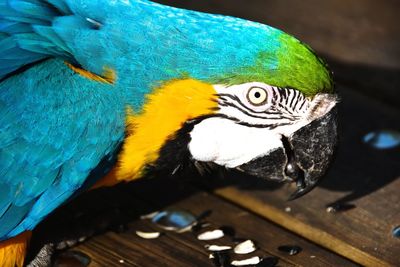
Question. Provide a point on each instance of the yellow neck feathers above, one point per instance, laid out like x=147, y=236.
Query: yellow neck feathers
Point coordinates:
x=164, y=113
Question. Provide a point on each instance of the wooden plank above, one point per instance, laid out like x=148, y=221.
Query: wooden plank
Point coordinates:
x=127, y=202
x=268, y=236
x=362, y=176
x=126, y=248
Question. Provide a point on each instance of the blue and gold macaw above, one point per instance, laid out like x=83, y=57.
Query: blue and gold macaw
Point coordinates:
x=94, y=92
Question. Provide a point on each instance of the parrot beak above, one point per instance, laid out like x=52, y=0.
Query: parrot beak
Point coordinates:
x=304, y=157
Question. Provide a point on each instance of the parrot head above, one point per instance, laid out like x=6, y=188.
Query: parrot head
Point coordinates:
x=277, y=130
x=237, y=94
x=270, y=132
x=278, y=124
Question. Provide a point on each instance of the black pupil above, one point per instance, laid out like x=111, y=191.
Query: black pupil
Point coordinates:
x=257, y=95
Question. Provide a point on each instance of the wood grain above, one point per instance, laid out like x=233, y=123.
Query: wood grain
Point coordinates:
x=268, y=235
x=173, y=249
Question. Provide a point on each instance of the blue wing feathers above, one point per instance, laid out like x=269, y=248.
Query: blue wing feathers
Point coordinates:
x=50, y=34
x=20, y=21
x=94, y=33
x=51, y=140
x=13, y=27
x=61, y=5
x=4, y=199
x=33, y=9
x=13, y=216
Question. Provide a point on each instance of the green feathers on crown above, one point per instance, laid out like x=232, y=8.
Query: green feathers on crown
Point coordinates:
x=293, y=65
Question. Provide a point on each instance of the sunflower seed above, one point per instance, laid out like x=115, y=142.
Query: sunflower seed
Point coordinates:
x=245, y=247
x=149, y=216
x=148, y=235
x=217, y=248
x=211, y=235
x=249, y=261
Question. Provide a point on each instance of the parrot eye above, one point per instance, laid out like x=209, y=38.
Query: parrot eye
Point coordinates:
x=257, y=96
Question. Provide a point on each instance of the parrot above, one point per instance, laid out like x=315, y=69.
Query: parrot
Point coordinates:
x=99, y=92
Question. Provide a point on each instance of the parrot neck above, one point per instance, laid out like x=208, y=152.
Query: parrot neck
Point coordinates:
x=164, y=113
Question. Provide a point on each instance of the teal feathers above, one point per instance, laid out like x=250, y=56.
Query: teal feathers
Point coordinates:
x=52, y=140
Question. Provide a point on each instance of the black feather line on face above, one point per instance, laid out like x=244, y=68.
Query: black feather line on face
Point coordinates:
x=295, y=97
x=228, y=104
x=235, y=98
x=251, y=112
x=283, y=93
x=283, y=99
x=302, y=104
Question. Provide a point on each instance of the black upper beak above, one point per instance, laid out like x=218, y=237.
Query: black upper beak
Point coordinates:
x=312, y=149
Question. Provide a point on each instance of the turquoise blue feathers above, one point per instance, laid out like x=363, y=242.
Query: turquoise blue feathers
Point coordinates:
x=52, y=138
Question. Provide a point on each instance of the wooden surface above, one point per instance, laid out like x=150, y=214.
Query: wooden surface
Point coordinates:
x=173, y=249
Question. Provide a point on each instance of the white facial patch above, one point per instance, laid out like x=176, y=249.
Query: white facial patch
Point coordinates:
x=229, y=144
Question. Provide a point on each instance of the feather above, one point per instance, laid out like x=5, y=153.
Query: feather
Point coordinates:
x=4, y=198
x=61, y=5
x=13, y=27
x=45, y=159
x=34, y=9
x=49, y=33
x=13, y=216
